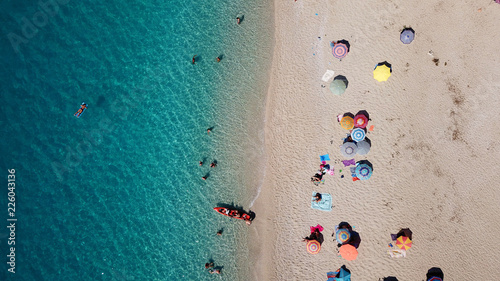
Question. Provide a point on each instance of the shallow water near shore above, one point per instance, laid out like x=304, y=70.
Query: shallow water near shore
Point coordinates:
x=118, y=193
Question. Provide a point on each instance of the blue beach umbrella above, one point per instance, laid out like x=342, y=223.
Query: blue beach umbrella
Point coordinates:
x=343, y=235
x=340, y=275
x=358, y=134
x=363, y=171
x=407, y=35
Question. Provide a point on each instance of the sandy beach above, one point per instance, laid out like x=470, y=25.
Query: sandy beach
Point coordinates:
x=435, y=142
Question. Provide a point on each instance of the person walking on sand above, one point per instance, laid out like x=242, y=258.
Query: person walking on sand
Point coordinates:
x=194, y=59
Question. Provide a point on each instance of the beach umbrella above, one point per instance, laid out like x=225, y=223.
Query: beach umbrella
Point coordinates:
x=340, y=275
x=358, y=134
x=363, y=147
x=403, y=242
x=343, y=235
x=407, y=35
x=382, y=71
x=338, y=86
x=340, y=50
x=360, y=121
x=348, y=252
x=363, y=171
x=313, y=247
x=347, y=122
x=348, y=149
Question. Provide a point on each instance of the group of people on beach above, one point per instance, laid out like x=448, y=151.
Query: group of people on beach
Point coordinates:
x=218, y=58
x=316, y=179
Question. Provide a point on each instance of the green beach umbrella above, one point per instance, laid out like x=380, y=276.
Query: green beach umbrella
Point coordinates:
x=338, y=87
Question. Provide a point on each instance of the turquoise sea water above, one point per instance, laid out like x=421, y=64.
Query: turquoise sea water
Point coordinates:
x=117, y=194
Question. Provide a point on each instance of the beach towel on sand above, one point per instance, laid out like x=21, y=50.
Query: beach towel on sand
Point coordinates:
x=324, y=205
x=397, y=253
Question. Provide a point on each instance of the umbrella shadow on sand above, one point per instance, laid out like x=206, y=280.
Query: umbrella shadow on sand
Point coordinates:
x=342, y=78
x=365, y=113
x=365, y=162
x=389, y=278
x=386, y=64
x=435, y=272
x=343, y=41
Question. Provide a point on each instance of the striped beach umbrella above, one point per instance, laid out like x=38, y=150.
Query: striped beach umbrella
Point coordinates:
x=348, y=149
x=407, y=35
x=360, y=121
x=358, y=134
x=347, y=122
x=313, y=247
x=343, y=235
x=363, y=171
x=348, y=252
x=403, y=242
x=382, y=71
x=340, y=50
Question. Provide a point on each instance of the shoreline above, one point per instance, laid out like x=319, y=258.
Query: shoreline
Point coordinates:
x=427, y=174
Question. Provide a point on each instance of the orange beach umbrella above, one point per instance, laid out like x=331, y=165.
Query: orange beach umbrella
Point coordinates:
x=348, y=252
x=313, y=247
x=347, y=122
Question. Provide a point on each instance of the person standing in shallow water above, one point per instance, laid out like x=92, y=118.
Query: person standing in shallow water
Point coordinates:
x=217, y=59
x=238, y=20
x=194, y=59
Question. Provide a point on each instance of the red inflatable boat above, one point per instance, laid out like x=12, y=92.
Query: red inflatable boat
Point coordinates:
x=233, y=213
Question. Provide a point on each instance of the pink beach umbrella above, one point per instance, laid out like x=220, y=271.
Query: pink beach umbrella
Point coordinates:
x=340, y=50
x=360, y=121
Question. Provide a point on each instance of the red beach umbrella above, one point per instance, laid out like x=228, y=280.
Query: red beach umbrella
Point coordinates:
x=360, y=121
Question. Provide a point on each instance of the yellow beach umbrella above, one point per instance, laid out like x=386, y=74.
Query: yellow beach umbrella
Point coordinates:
x=403, y=242
x=382, y=71
x=347, y=122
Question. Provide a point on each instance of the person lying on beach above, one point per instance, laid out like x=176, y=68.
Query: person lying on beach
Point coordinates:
x=209, y=265
x=317, y=197
x=316, y=179
x=314, y=236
